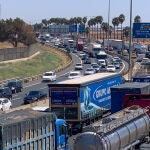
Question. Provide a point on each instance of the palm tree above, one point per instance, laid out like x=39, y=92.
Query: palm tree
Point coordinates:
x=115, y=22
x=121, y=20
x=105, y=28
x=110, y=30
x=99, y=20
x=126, y=32
x=137, y=19
x=93, y=23
x=89, y=25
x=84, y=20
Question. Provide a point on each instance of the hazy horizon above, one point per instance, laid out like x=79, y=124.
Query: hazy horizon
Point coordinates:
x=35, y=10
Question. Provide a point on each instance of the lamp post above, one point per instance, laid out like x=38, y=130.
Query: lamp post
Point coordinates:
x=108, y=22
x=130, y=42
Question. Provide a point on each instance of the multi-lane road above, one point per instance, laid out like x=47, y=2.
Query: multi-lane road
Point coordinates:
x=38, y=84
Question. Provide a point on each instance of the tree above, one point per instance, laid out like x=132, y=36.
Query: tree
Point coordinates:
x=105, y=28
x=89, y=25
x=93, y=22
x=99, y=20
x=45, y=22
x=37, y=27
x=126, y=32
x=84, y=20
x=110, y=30
x=121, y=20
x=115, y=23
x=137, y=19
x=16, y=31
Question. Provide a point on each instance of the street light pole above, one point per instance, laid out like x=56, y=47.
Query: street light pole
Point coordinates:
x=130, y=42
x=108, y=22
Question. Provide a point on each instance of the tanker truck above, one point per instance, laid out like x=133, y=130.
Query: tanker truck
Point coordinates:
x=126, y=129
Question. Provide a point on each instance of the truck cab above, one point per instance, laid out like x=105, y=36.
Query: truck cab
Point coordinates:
x=61, y=134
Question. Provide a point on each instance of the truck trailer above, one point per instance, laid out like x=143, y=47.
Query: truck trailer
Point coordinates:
x=93, y=49
x=83, y=100
x=124, y=130
x=142, y=78
x=118, y=93
x=32, y=130
x=142, y=100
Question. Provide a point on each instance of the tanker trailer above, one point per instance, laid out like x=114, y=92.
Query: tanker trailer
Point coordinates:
x=120, y=131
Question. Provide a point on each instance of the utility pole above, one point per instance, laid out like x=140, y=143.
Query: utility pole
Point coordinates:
x=108, y=23
x=130, y=42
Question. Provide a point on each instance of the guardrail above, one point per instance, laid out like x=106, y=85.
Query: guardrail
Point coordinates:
x=39, y=76
x=126, y=70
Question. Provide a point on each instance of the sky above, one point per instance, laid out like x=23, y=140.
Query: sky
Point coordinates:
x=33, y=11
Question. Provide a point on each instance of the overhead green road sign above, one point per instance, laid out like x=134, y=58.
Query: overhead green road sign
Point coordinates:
x=141, y=30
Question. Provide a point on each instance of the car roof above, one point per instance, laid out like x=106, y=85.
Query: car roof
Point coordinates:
x=110, y=65
x=40, y=108
x=74, y=71
x=2, y=99
x=49, y=72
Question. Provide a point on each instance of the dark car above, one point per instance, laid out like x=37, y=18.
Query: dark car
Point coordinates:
x=15, y=86
x=34, y=95
x=5, y=92
x=87, y=60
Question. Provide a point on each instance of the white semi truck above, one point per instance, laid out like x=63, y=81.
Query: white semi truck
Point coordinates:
x=116, y=44
x=93, y=49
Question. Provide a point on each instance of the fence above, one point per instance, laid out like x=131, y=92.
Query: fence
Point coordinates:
x=17, y=53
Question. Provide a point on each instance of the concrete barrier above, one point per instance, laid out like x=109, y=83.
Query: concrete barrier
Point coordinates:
x=37, y=77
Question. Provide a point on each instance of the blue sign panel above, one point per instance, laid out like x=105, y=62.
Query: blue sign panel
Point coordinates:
x=81, y=28
x=97, y=96
x=73, y=28
x=65, y=96
x=141, y=30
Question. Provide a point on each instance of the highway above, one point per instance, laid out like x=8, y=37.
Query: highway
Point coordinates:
x=17, y=99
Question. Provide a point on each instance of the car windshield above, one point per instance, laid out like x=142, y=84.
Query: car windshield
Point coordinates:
x=78, y=64
x=48, y=74
x=89, y=69
x=5, y=101
x=33, y=93
x=95, y=66
x=11, y=83
x=110, y=66
x=74, y=74
x=1, y=90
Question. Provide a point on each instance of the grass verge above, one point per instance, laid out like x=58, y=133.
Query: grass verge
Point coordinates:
x=47, y=60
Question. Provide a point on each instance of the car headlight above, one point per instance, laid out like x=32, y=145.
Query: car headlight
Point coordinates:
x=12, y=88
x=34, y=98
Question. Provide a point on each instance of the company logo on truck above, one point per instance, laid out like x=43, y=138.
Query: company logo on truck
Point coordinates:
x=99, y=92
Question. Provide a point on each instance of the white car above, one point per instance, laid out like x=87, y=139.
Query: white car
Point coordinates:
x=102, y=62
x=78, y=66
x=111, y=68
x=74, y=74
x=5, y=104
x=89, y=71
x=81, y=54
x=96, y=67
x=49, y=76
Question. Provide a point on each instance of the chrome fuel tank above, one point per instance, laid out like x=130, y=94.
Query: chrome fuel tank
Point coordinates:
x=117, y=134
